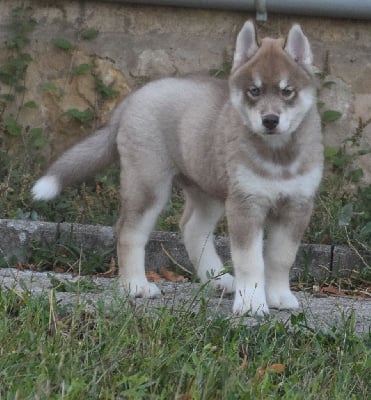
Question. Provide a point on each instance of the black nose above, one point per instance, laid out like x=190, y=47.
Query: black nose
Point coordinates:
x=270, y=121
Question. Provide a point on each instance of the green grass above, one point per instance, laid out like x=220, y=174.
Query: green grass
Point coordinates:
x=122, y=352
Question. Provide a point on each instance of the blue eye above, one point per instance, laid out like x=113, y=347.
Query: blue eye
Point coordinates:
x=254, y=91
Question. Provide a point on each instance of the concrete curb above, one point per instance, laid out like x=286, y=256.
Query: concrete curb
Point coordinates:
x=18, y=237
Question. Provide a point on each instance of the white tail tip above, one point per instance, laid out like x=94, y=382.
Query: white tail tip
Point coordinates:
x=46, y=188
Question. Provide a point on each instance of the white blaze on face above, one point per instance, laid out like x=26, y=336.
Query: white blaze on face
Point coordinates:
x=283, y=84
x=257, y=81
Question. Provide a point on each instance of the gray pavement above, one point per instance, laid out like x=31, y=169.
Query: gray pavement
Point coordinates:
x=321, y=313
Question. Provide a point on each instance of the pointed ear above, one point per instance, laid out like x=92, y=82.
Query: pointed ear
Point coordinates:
x=246, y=45
x=298, y=47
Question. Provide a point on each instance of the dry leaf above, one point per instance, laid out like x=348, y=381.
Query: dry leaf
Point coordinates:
x=276, y=368
x=260, y=373
x=112, y=266
x=244, y=363
x=279, y=368
x=360, y=293
x=111, y=272
x=153, y=276
x=171, y=276
x=19, y=266
x=186, y=396
x=315, y=289
x=329, y=289
x=59, y=269
x=326, y=239
x=88, y=199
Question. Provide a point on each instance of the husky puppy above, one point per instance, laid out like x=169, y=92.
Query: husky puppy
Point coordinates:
x=250, y=147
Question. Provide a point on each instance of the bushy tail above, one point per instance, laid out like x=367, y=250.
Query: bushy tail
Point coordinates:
x=79, y=162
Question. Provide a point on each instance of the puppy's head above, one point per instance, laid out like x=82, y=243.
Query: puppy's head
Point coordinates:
x=271, y=84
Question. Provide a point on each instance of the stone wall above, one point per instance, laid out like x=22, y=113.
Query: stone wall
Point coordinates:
x=138, y=43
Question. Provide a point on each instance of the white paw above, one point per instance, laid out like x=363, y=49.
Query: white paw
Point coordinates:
x=224, y=282
x=250, y=300
x=141, y=289
x=282, y=300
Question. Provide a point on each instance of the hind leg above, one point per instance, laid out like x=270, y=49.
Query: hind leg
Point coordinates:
x=200, y=216
x=141, y=206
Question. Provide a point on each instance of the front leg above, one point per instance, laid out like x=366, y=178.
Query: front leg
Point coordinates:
x=245, y=224
x=285, y=229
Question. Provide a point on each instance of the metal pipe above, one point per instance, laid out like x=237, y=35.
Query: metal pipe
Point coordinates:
x=355, y=9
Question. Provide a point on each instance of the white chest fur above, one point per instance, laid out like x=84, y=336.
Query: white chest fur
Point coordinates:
x=299, y=186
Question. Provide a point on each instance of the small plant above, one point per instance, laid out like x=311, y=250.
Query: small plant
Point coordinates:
x=12, y=127
x=81, y=116
x=81, y=69
x=96, y=201
x=342, y=213
x=89, y=33
x=65, y=257
x=48, y=87
x=21, y=25
x=222, y=72
x=354, y=206
x=52, y=89
x=63, y=44
x=80, y=285
x=13, y=72
x=329, y=116
x=105, y=92
x=30, y=105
